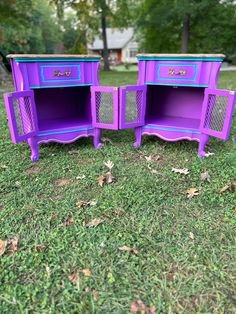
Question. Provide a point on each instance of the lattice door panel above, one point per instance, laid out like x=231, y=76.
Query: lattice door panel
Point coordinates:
x=105, y=107
x=132, y=106
x=217, y=113
x=21, y=114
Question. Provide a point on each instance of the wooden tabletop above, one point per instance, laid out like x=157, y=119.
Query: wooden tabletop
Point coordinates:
x=51, y=56
x=181, y=55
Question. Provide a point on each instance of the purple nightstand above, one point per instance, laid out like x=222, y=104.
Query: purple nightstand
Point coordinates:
x=58, y=99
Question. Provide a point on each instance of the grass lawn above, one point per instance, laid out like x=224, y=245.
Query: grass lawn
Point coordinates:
x=186, y=247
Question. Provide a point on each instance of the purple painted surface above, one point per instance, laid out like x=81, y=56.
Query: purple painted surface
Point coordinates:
x=105, y=107
x=132, y=104
x=217, y=113
x=21, y=113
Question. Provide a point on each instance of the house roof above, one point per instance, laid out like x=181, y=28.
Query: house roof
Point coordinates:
x=116, y=39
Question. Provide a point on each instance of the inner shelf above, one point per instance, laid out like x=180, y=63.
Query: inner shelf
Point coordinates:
x=175, y=122
x=63, y=123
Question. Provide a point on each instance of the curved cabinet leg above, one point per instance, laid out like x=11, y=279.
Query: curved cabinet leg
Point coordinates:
x=34, y=149
x=138, y=137
x=97, y=138
x=201, y=148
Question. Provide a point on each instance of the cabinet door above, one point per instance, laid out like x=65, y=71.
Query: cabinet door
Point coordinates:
x=132, y=106
x=105, y=101
x=217, y=112
x=21, y=114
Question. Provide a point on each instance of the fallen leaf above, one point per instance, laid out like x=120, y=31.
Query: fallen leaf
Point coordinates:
x=209, y=154
x=228, y=187
x=101, y=180
x=13, y=246
x=184, y=171
x=84, y=203
x=62, y=182
x=3, y=166
x=109, y=177
x=86, y=272
x=128, y=249
x=148, y=158
x=192, y=192
x=17, y=184
x=80, y=177
x=139, y=307
x=48, y=270
x=95, y=222
x=73, y=152
x=106, y=140
x=74, y=277
x=32, y=170
x=3, y=245
x=95, y=294
x=155, y=171
x=109, y=164
x=205, y=176
x=191, y=235
x=40, y=247
x=68, y=222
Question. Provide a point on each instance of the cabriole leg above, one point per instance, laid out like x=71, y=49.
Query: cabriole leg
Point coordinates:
x=138, y=137
x=97, y=138
x=201, y=148
x=34, y=149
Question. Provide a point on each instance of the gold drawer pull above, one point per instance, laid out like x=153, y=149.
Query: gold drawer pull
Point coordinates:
x=59, y=73
x=180, y=72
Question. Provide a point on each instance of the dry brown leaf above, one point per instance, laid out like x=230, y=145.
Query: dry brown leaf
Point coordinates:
x=48, y=270
x=228, y=187
x=95, y=294
x=62, y=182
x=109, y=177
x=191, y=235
x=94, y=222
x=68, y=222
x=155, y=171
x=184, y=171
x=109, y=164
x=205, y=176
x=101, y=180
x=40, y=247
x=3, y=166
x=106, y=140
x=74, y=277
x=139, y=307
x=85, y=203
x=86, y=272
x=192, y=192
x=73, y=152
x=32, y=170
x=208, y=154
x=148, y=158
x=3, y=245
x=13, y=246
x=128, y=249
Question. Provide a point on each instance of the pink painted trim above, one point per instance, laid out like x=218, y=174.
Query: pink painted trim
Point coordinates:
x=173, y=139
x=64, y=141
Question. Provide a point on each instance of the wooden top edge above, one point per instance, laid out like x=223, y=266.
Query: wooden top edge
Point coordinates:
x=181, y=55
x=51, y=56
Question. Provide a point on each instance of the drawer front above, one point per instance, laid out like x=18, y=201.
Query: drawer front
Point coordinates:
x=60, y=73
x=178, y=73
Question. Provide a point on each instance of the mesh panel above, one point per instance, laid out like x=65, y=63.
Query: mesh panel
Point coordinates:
x=24, y=115
x=133, y=106
x=216, y=112
x=104, y=107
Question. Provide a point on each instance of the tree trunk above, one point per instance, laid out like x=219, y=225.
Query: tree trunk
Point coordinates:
x=104, y=39
x=185, y=34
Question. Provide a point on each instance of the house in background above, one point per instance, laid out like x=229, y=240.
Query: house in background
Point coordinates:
x=121, y=45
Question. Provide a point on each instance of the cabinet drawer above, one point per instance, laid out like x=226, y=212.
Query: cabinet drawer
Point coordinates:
x=178, y=73
x=60, y=74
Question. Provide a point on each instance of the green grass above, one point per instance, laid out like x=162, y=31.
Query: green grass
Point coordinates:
x=150, y=212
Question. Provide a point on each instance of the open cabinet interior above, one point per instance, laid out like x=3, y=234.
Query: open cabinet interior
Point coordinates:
x=63, y=108
x=172, y=106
